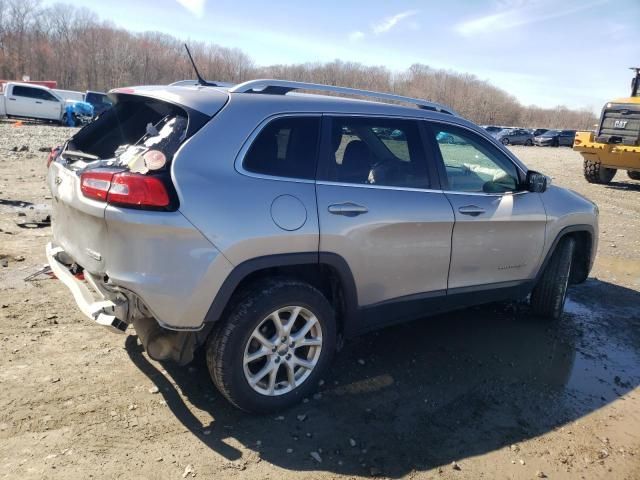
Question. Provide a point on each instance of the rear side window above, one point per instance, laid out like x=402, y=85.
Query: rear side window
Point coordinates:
x=286, y=147
x=20, y=91
x=377, y=151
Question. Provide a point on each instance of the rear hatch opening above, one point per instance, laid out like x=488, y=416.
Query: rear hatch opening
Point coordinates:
x=124, y=157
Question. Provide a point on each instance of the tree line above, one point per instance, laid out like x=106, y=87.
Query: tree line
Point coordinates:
x=80, y=51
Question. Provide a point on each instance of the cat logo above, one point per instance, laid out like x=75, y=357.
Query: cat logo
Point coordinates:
x=620, y=123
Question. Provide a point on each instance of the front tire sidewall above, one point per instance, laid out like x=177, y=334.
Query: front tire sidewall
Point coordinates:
x=225, y=358
x=550, y=293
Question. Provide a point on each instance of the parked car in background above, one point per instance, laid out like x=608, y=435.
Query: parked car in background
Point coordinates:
x=224, y=223
x=493, y=129
x=69, y=95
x=555, y=138
x=515, y=136
x=99, y=100
x=444, y=137
x=23, y=100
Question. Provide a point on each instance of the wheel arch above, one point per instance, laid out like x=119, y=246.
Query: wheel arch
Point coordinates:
x=328, y=272
x=583, y=255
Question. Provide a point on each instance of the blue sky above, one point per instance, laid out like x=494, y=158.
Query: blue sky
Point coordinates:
x=545, y=52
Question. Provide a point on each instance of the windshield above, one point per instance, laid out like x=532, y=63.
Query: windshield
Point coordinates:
x=550, y=133
x=493, y=129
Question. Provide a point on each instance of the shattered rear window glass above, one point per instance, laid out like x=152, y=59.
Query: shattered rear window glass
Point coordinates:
x=156, y=147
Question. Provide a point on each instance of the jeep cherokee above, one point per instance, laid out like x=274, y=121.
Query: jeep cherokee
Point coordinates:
x=266, y=225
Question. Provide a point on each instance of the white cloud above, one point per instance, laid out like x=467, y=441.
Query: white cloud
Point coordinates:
x=515, y=13
x=196, y=7
x=390, y=22
x=355, y=36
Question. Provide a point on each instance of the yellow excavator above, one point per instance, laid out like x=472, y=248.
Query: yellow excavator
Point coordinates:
x=615, y=144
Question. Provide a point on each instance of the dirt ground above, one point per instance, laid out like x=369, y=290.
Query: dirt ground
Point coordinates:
x=491, y=389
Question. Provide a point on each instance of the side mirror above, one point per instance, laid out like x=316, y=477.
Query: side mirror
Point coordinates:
x=536, y=182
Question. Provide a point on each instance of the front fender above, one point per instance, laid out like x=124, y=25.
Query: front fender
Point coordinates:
x=568, y=212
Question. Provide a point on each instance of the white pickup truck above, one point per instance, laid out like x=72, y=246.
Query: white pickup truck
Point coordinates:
x=24, y=100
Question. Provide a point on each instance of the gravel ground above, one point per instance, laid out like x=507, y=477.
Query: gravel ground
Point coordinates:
x=482, y=393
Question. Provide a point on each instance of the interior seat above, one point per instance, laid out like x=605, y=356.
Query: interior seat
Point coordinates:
x=356, y=162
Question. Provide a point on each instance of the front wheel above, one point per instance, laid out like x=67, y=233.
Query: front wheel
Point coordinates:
x=273, y=347
x=633, y=175
x=529, y=142
x=505, y=141
x=550, y=293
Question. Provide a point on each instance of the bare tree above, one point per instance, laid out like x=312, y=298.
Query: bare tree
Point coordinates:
x=69, y=44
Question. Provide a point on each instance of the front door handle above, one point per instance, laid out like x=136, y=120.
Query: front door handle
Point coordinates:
x=38, y=101
x=347, y=209
x=472, y=210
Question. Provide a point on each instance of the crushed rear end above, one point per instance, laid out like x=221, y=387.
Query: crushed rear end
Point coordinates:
x=120, y=243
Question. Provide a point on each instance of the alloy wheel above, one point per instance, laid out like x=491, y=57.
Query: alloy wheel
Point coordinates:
x=282, y=351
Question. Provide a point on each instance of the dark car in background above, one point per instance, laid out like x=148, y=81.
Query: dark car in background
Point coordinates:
x=99, y=100
x=493, y=129
x=515, y=136
x=539, y=131
x=555, y=138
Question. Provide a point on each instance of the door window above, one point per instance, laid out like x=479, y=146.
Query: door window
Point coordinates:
x=286, y=147
x=376, y=151
x=21, y=91
x=472, y=164
x=44, y=95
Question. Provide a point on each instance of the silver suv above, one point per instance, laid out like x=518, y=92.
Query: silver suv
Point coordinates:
x=267, y=225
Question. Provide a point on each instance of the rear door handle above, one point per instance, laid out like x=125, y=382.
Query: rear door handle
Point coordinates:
x=472, y=210
x=38, y=101
x=12, y=99
x=347, y=209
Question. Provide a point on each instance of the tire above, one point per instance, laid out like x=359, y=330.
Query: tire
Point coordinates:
x=528, y=142
x=550, y=293
x=633, y=175
x=555, y=143
x=505, y=141
x=234, y=341
x=594, y=172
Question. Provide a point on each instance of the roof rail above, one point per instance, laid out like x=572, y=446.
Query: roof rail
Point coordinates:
x=281, y=87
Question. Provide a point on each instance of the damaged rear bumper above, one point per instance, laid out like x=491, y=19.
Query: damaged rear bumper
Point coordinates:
x=89, y=297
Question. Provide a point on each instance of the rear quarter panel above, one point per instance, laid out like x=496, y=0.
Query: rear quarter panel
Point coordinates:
x=231, y=209
x=168, y=263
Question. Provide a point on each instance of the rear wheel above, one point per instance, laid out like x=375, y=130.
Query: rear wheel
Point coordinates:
x=594, y=172
x=633, y=175
x=550, y=293
x=505, y=141
x=274, y=346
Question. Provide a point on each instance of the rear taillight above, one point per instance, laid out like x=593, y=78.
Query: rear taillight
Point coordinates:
x=95, y=184
x=124, y=189
x=134, y=189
